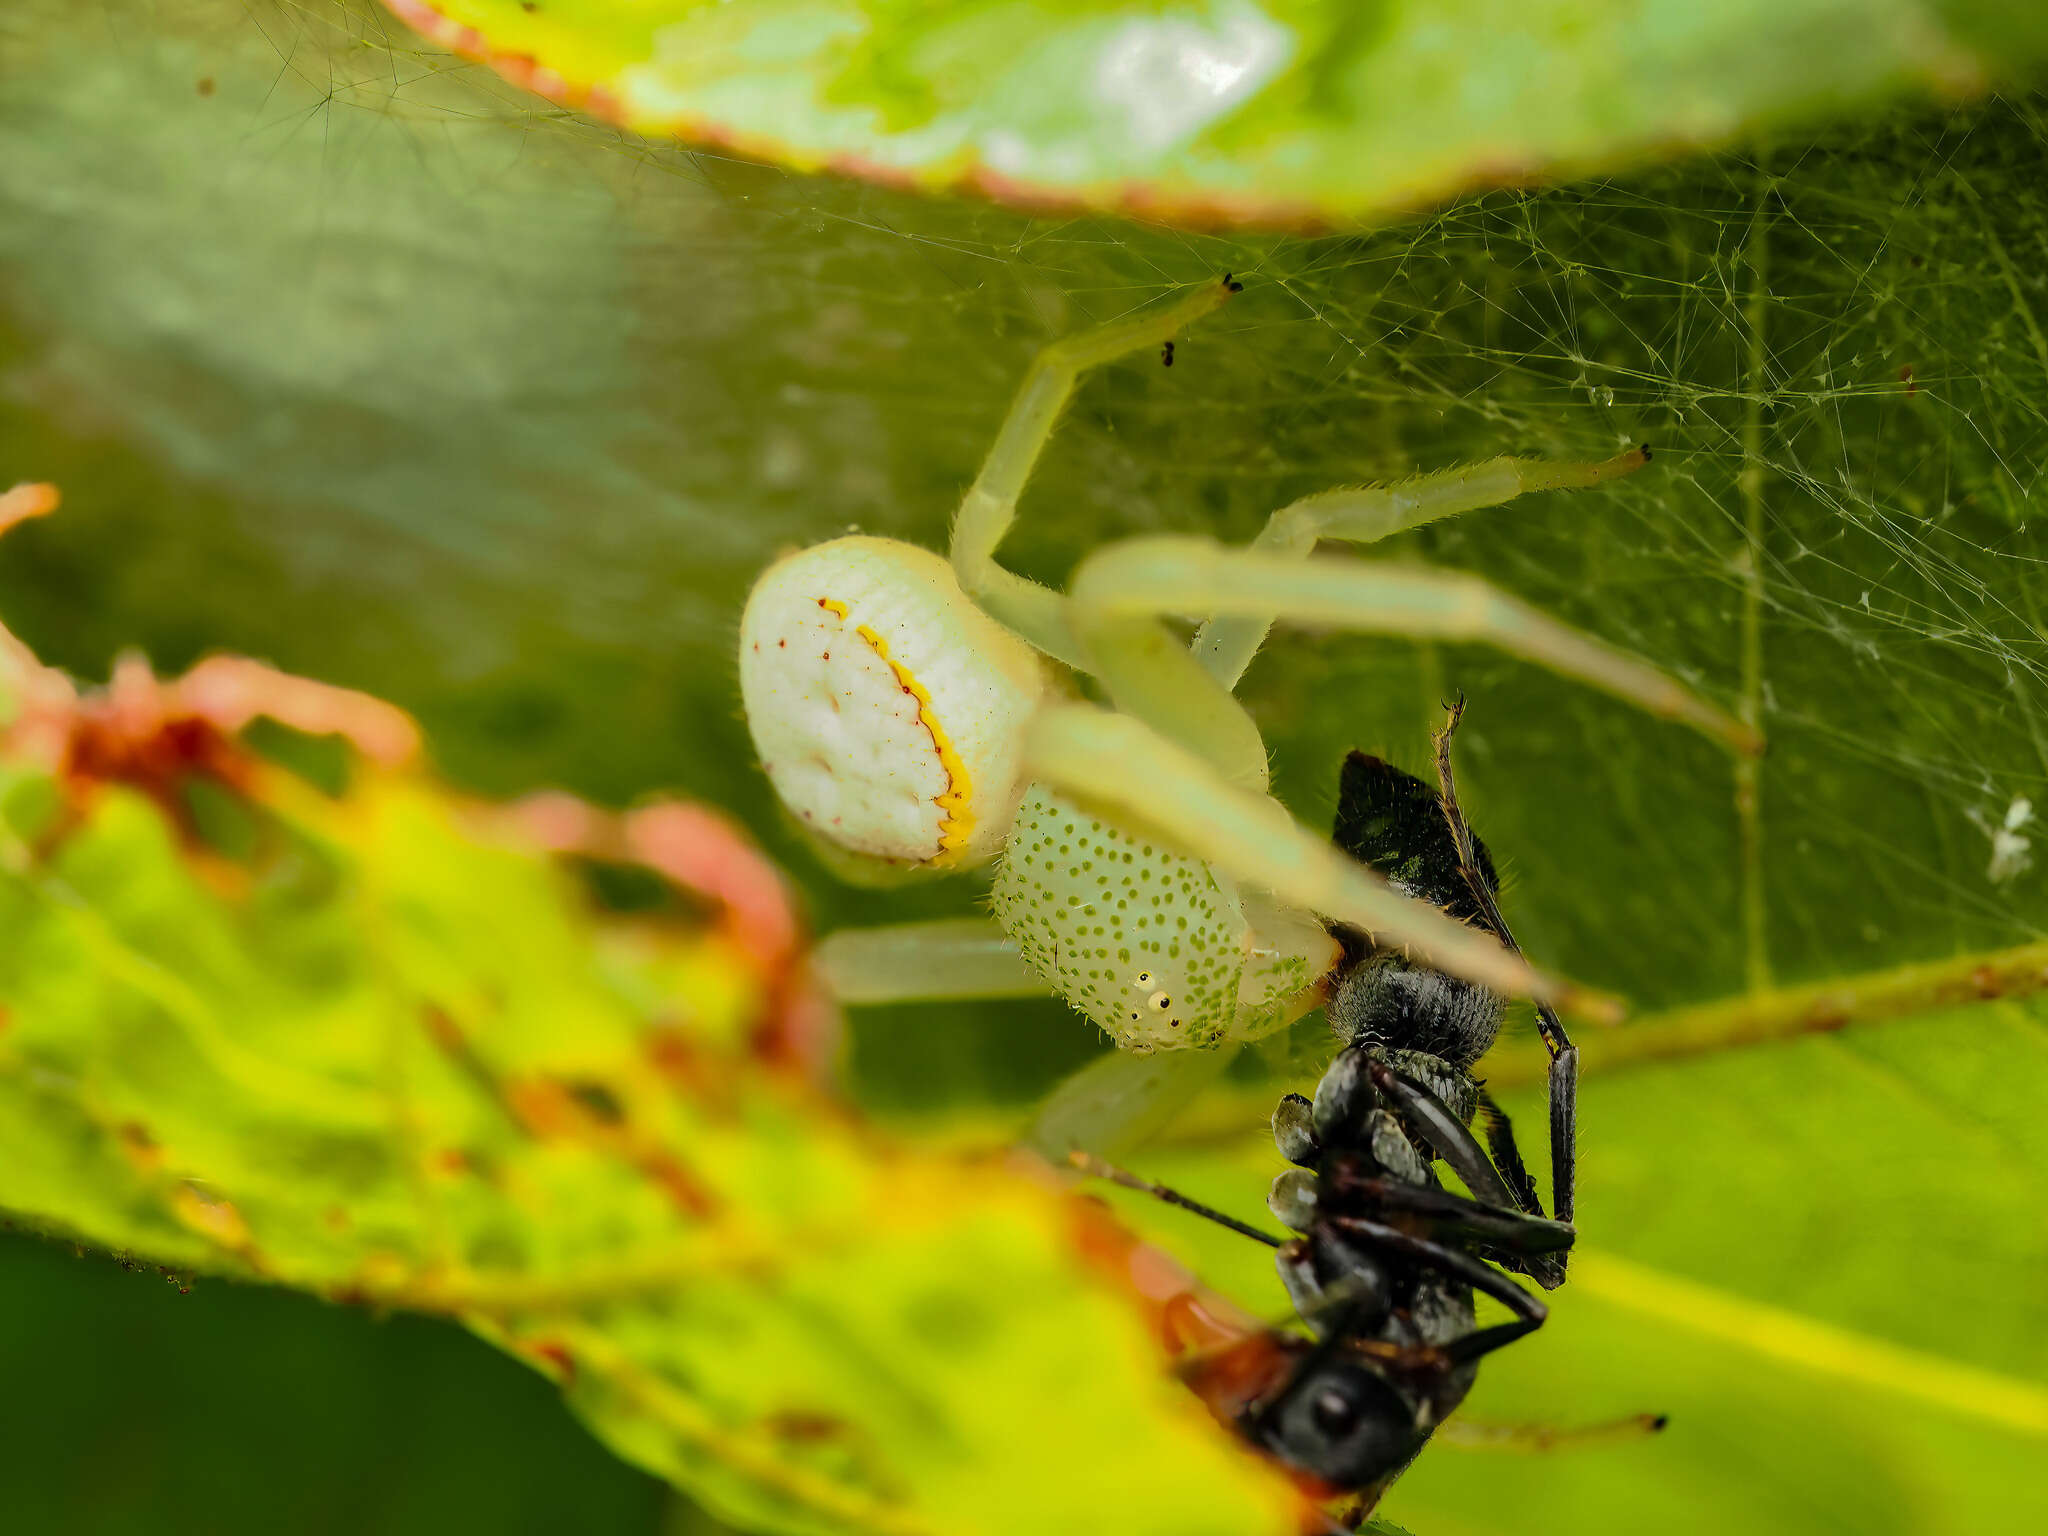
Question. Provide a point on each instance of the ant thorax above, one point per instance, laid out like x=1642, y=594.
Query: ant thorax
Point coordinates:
x=1397, y=824
x=1407, y=1010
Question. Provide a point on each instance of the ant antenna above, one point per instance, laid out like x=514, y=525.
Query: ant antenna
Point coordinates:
x=1095, y=1167
x=1547, y=1021
x=1538, y=1438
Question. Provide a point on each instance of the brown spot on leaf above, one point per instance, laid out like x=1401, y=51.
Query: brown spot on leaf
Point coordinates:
x=452, y=1161
x=442, y=1028
x=551, y=1355
x=598, y=1101
x=690, y=1195
x=805, y=1425
x=213, y=1216
x=140, y=1147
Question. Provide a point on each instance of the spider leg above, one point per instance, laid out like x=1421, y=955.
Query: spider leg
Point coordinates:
x=1120, y=1101
x=1122, y=766
x=919, y=962
x=1366, y=514
x=990, y=506
x=1121, y=592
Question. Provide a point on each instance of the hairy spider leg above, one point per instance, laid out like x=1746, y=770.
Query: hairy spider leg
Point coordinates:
x=1563, y=1090
x=1367, y=514
x=1121, y=594
x=1119, y=764
x=1038, y=613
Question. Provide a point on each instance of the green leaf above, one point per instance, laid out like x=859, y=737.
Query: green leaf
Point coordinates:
x=390, y=1060
x=1289, y=112
x=358, y=361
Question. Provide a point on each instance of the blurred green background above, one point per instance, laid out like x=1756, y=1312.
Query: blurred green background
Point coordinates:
x=351, y=357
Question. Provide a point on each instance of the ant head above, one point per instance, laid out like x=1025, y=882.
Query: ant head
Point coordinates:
x=1341, y=1423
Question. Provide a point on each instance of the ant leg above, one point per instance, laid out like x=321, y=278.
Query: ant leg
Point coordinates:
x=1500, y=1141
x=1564, y=1129
x=1429, y=1118
x=1499, y=1131
x=1564, y=1056
x=1473, y=1435
x=1460, y=1265
x=1453, y=1216
x=990, y=506
x=1095, y=1167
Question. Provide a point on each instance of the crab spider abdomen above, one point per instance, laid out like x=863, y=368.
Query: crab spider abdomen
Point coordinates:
x=1154, y=947
x=885, y=706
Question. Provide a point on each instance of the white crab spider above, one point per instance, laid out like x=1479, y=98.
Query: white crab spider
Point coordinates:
x=911, y=712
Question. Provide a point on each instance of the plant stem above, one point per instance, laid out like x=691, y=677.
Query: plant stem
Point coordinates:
x=1750, y=1018
x=1750, y=563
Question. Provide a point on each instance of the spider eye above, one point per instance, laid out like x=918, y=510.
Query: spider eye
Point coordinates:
x=1159, y=1002
x=1144, y=979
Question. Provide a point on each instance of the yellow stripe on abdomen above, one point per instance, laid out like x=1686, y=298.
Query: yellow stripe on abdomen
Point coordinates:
x=956, y=818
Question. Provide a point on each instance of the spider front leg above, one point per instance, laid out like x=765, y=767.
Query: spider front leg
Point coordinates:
x=1120, y=765
x=1367, y=514
x=1121, y=593
x=990, y=506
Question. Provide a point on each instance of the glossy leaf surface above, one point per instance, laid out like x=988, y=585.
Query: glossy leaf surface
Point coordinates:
x=1290, y=112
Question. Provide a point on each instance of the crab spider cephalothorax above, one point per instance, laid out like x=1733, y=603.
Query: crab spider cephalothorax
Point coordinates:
x=911, y=711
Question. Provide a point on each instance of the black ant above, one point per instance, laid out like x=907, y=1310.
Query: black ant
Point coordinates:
x=1386, y=1262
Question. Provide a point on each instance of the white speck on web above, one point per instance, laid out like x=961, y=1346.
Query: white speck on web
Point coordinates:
x=2011, y=853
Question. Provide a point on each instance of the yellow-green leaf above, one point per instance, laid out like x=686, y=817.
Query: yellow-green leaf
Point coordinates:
x=390, y=1059
x=1290, y=112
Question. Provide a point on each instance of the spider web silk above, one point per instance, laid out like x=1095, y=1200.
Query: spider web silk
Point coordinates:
x=378, y=273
